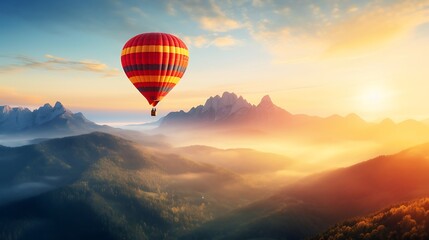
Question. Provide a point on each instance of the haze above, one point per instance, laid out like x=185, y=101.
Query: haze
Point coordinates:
x=292, y=118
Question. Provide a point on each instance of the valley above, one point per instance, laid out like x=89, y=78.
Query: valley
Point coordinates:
x=182, y=182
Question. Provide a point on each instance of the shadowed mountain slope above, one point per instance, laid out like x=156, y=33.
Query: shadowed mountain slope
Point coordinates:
x=102, y=185
x=312, y=204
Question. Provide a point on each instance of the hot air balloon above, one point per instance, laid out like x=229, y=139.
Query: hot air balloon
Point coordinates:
x=154, y=63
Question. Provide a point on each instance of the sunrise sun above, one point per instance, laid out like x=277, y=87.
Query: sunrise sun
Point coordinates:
x=373, y=98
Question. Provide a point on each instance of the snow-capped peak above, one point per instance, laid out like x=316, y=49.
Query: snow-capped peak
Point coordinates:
x=226, y=105
x=5, y=109
x=18, y=118
x=47, y=113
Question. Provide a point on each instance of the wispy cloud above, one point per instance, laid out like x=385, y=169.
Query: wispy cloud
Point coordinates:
x=170, y=9
x=287, y=47
x=54, y=63
x=352, y=9
x=282, y=11
x=227, y=41
x=208, y=14
x=366, y=30
x=261, y=3
x=197, y=41
x=203, y=41
x=346, y=31
x=218, y=24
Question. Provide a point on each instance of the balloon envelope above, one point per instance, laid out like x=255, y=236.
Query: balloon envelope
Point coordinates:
x=154, y=63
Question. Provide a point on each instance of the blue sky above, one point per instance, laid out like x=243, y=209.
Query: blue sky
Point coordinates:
x=315, y=57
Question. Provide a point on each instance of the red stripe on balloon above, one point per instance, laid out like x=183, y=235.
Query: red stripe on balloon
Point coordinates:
x=153, y=84
x=154, y=58
x=155, y=39
x=154, y=73
x=154, y=97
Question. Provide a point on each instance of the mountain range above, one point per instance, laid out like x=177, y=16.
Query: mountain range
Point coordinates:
x=119, y=184
x=126, y=190
x=224, y=110
x=101, y=186
x=312, y=204
x=45, y=119
x=226, y=114
x=232, y=115
x=20, y=126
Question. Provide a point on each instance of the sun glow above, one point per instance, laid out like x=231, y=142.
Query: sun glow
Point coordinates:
x=373, y=99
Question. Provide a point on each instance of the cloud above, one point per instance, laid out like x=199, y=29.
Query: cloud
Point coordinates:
x=93, y=15
x=282, y=11
x=218, y=24
x=370, y=29
x=260, y=3
x=286, y=47
x=352, y=9
x=209, y=15
x=203, y=41
x=138, y=11
x=197, y=41
x=315, y=9
x=59, y=64
x=227, y=41
x=358, y=31
x=170, y=9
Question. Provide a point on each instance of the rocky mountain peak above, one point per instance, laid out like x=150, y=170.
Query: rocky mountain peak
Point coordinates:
x=266, y=102
x=18, y=118
x=226, y=105
x=5, y=109
x=47, y=112
x=59, y=105
x=45, y=107
x=218, y=101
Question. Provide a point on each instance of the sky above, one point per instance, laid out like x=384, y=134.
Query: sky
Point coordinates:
x=368, y=57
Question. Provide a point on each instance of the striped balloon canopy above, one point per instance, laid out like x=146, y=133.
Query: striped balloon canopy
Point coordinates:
x=154, y=63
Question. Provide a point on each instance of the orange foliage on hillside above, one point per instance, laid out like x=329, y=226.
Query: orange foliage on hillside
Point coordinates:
x=406, y=221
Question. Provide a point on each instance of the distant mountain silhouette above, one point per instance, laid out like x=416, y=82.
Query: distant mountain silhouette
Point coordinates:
x=232, y=115
x=408, y=220
x=45, y=119
x=313, y=203
x=225, y=109
x=20, y=126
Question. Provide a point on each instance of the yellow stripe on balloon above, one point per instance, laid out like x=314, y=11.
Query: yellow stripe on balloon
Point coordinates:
x=161, y=79
x=171, y=79
x=155, y=48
